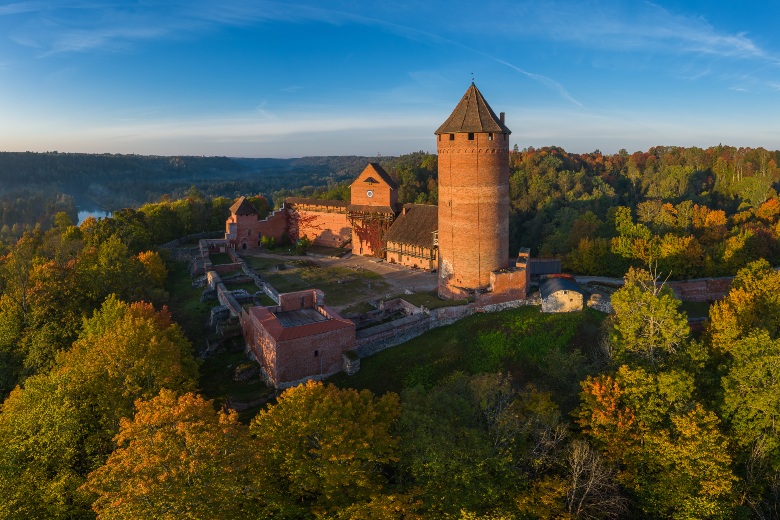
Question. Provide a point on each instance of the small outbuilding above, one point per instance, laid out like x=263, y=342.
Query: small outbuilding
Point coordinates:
x=561, y=295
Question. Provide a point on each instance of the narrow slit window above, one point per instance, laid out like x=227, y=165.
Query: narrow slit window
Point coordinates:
x=471, y=136
x=316, y=353
x=490, y=136
x=452, y=137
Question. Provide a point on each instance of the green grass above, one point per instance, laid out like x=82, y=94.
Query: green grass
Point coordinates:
x=249, y=287
x=262, y=264
x=544, y=349
x=220, y=258
x=216, y=380
x=357, y=308
x=185, y=305
x=265, y=300
x=326, y=251
x=355, y=284
x=429, y=299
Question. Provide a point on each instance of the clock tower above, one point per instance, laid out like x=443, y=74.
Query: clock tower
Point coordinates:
x=372, y=208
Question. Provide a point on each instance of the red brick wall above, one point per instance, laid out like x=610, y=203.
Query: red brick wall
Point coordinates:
x=507, y=286
x=702, y=290
x=473, y=209
x=248, y=230
x=296, y=360
x=294, y=301
x=323, y=228
x=292, y=360
x=275, y=225
x=362, y=233
x=383, y=194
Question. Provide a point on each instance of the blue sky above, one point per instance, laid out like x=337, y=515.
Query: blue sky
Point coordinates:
x=296, y=78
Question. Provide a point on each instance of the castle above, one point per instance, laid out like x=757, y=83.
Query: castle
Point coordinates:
x=465, y=238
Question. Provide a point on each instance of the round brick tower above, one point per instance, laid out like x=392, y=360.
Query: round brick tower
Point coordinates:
x=473, y=229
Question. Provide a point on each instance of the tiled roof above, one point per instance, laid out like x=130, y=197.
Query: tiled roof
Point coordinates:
x=415, y=226
x=377, y=170
x=243, y=207
x=472, y=114
x=269, y=322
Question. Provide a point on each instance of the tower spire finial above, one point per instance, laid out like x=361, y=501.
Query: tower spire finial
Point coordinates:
x=472, y=78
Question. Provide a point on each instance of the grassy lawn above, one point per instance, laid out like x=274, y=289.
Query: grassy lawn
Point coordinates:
x=262, y=264
x=429, y=299
x=249, y=287
x=547, y=350
x=341, y=285
x=185, y=304
x=357, y=308
x=326, y=251
x=220, y=258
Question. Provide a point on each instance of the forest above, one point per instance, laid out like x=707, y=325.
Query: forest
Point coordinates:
x=527, y=416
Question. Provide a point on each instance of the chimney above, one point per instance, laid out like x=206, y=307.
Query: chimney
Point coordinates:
x=501, y=117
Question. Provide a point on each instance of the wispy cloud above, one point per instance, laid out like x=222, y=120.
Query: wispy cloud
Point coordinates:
x=629, y=26
x=544, y=80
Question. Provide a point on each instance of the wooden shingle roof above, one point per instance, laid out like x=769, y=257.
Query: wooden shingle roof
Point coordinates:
x=473, y=114
x=415, y=226
x=243, y=207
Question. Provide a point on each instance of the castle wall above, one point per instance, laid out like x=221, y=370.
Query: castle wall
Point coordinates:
x=318, y=355
x=701, y=290
x=473, y=209
x=368, y=235
x=275, y=225
x=323, y=227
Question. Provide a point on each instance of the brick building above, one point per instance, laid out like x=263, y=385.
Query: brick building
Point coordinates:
x=298, y=339
x=242, y=229
x=372, y=209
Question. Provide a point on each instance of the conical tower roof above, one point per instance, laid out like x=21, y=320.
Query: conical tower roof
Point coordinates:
x=473, y=114
x=243, y=207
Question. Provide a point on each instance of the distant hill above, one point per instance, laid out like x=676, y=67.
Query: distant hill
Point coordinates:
x=113, y=181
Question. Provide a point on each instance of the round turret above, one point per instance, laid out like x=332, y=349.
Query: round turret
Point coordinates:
x=473, y=228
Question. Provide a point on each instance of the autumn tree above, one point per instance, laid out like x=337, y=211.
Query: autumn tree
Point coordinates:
x=326, y=449
x=179, y=458
x=124, y=352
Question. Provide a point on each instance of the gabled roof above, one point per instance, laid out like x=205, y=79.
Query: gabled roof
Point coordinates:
x=472, y=114
x=415, y=226
x=374, y=170
x=243, y=207
x=552, y=285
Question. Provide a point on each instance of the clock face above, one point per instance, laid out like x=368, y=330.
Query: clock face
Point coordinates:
x=370, y=193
